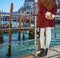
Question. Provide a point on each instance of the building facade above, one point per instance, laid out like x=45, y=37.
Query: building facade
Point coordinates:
x=28, y=6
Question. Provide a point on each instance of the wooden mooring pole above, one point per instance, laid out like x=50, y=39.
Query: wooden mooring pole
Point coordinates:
x=1, y=38
x=10, y=34
x=22, y=25
x=19, y=37
x=39, y=47
x=19, y=32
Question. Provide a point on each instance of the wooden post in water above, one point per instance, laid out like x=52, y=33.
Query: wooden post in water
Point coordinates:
x=22, y=18
x=29, y=19
x=29, y=22
x=19, y=37
x=19, y=31
x=34, y=35
x=10, y=34
x=1, y=33
x=39, y=47
x=1, y=38
x=35, y=29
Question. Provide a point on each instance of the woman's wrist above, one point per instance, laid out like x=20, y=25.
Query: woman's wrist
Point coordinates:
x=53, y=15
x=49, y=15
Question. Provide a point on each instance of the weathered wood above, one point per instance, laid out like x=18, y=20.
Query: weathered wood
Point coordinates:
x=23, y=21
x=18, y=37
x=16, y=29
x=1, y=38
x=19, y=31
x=10, y=34
x=39, y=47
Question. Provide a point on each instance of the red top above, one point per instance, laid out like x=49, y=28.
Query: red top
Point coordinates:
x=42, y=22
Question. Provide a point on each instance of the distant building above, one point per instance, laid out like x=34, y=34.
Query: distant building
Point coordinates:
x=7, y=17
x=29, y=1
x=58, y=4
x=28, y=6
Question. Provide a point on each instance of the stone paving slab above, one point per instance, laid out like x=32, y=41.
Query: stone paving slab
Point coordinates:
x=53, y=52
x=30, y=56
x=56, y=48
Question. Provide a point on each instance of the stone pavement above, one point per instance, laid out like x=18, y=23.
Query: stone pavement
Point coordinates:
x=53, y=52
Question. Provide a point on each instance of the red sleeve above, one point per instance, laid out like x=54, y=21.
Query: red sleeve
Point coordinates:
x=39, y=3
x=54, y=10
x=40, y=8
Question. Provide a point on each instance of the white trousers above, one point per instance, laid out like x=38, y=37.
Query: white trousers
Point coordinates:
x=45, y=37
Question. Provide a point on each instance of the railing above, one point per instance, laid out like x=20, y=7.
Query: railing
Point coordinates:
x=21, y=26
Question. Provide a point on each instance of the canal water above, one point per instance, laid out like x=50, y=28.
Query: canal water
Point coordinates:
x=25, y=48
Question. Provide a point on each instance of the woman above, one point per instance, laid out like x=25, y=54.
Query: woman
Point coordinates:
x=46, y=20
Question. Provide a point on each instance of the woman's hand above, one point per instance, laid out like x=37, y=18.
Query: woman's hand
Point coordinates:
x=53, y=16
x=49, y=16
